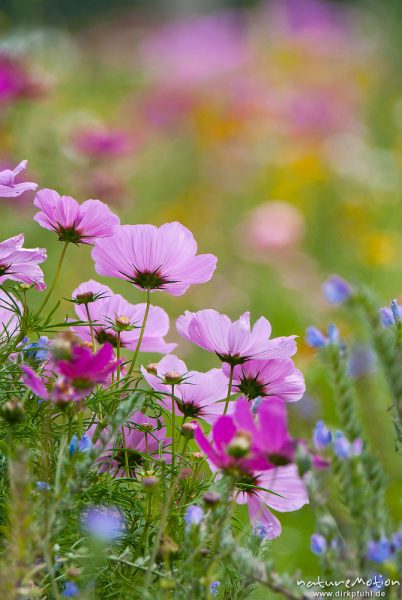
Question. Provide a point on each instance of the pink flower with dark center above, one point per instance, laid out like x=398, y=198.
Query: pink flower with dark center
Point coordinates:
x=77, y=223
x=8, y=187
x=110, y=313
x=76, y=377
x=257, y=483
x=234, y=342
x=197, y=395
x=153, y=258
x=268, y=378
x=21, y=264
x=144, y=437
x=9, y=321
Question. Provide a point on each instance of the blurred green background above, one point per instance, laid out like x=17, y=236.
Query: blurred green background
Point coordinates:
x=271, y=130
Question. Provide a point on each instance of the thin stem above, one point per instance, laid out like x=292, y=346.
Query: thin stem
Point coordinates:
x=141, y=334
x=229, y=389
x=56, y=277
x=118, y=346
x=173, y=430
x=91, y=327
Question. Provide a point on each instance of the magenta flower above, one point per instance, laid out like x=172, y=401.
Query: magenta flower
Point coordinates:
x=144, y=437
x=234, y=451
x=268, y=378
x=9, y=321
x=154, y=258
x=111, y=312
x=234, y=342
x=8, y=187
x=197, y=394
x=76, y=377
x=99, y=143
x=21, y=264
x=77, y=223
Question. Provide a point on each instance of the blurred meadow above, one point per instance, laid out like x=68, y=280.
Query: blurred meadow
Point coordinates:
x=271, y=129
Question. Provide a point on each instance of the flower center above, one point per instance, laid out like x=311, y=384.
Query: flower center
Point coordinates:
x=251, y=388
x=4, y=269
x=278, y=460
x=232, y=360
x=102, y=337
x=69, y=234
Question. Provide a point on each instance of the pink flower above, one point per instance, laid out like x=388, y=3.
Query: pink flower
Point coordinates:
x=197, y=394
x=274, y=226
x=154, y=258
x=76, y=377
x=143, y=437
x=77, y=223
x=233, y=342
x=110, y=312
x=8, y=187
x=9, y=321
x=21, y=264
x=100, y=143
x=234, y=451
x=268, y=378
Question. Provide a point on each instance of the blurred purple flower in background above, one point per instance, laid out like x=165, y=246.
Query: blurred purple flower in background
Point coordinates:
x=104, y=523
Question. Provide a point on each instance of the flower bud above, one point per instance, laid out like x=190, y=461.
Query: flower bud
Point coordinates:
x=187, y=429
x=152, y=368
x=211, y=498
x=13, y=411
x=123, y=322
x=172, y=377
x=240, y=444
x=85, y=298
x=62, y=346
x=149, y=482
x=197, y=455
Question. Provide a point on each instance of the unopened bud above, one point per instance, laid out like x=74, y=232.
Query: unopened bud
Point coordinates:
x=85, y=298
x=197, y=455
x=152, y=368
x=240, y=444
x=188, y=429
x=172, y=377
x=123, y=322
x=150, y=482
x=211, y=498
x=13, y=411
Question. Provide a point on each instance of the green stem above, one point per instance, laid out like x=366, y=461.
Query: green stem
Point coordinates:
x=229, y=389
x=56, y=277
x=141, y=334
x=91, y=327
x=173, y=430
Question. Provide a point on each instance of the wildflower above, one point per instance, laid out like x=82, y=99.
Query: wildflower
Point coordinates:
x=196, y=394
x=273, y=226
x=322, y=436
x=336, y=290
x=37, y=351
x=21, y=264
x=316, y=339
x=318, y=544
x=8, y=187
x=379, y=551
x=194, y=515
x=214, y=588
x=105, y=523
x=343, y=448
x=389, y=316
x=70, y=590
x=259, y=378
x=111, y=314
x=143, y=437
x=153, y=258
x=76, y=223
x=42, y=485
x=256, y=482
x=233, y=342
x=80, y=445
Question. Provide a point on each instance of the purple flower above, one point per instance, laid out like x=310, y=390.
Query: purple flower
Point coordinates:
x=194, y=515
x=318, y=544
x=43, y=485
x=153, y=258
x=379, y=551
x=375, y=582
x=111, y=312
x=77, y=223
x=105, y=523
x=268, y=378
x=21, y=264
x=233, y=342
x=100, y=143
x=8, y=187
x=336, y=290
x=197, y=394
x=341, y=445
x=214, y=588
x=80, y=445
x=389, y=316
x=315, y=338
x=37, y=351
x=322, y=436
x=70, y=590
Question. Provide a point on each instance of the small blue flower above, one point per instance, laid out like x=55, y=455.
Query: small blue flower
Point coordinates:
x=318, y=544
x=333, y=334
x=260, y=530
x=391, y=315
x=214, y=587
x=39, y=350
x=82, y=445
x=336, y=290
x=315, y=338
x=70, y=590
x=361, y=361
x=341, y=445
x=379, y=551
x=322, y=436
x=42, y=485
x=194, y=515
x=103, y=522
x=375, y=581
